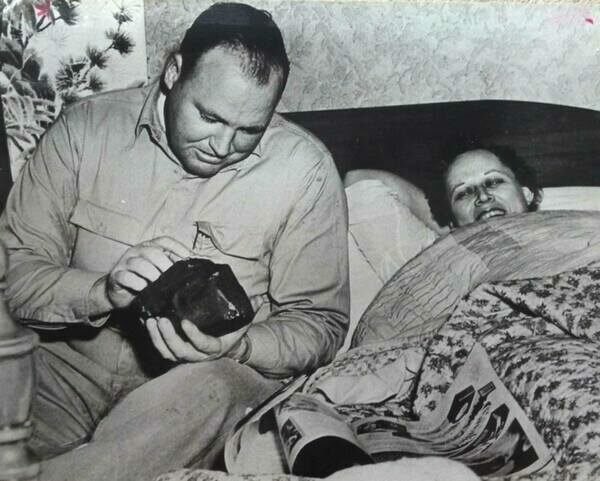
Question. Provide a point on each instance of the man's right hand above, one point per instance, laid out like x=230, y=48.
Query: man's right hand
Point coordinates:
x=141, y=265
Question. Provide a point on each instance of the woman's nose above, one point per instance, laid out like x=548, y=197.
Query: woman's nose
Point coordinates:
x=482, y=195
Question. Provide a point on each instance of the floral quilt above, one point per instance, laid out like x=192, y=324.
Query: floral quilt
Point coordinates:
x=543, y=339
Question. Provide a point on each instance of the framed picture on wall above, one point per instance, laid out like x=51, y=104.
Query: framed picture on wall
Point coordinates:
x=54, y=52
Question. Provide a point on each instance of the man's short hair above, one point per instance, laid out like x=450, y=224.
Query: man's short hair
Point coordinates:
x=243, y=29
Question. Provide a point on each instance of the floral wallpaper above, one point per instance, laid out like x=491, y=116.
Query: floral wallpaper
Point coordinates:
x=53, y=52
x=370, y=53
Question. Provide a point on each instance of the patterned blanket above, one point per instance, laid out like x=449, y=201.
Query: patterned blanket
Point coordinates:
x=419, y=298
x=543, y=340
x=542, y=337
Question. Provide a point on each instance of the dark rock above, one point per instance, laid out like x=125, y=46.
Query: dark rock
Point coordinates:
x=200, y=291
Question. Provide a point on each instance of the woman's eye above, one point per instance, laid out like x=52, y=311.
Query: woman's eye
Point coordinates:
x=463, y=194
x=494, y=182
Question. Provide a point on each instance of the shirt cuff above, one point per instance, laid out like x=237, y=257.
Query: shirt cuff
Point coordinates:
x=74, y=304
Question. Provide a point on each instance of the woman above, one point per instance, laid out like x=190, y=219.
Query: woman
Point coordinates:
x=486, y=182
x=481, y=182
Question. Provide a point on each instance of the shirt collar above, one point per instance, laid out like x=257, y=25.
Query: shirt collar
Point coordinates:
x=149, y=116
x=152, y=118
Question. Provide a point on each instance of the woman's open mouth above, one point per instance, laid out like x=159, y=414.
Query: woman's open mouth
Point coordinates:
x=488, y=214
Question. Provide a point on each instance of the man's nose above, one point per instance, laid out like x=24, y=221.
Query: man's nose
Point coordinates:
x=482, y=195
x=221, y=141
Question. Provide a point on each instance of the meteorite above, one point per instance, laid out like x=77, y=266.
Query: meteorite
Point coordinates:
x=205, y=293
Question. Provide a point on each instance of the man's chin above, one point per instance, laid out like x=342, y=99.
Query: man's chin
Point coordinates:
x=208, y=167
x=200, y=168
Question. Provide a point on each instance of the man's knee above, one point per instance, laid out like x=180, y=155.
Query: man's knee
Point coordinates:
x=190, y=393
x=67, y=404
x=222, y=383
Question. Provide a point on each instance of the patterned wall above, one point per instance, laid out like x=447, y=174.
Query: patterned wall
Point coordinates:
x=368, y=53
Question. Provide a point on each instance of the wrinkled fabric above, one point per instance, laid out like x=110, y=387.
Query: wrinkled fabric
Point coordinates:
x=418, y=299
x=543, y=339
x=103, y=179
x=90, y=425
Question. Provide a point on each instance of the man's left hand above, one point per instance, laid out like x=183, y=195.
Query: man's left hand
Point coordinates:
x=197, y=347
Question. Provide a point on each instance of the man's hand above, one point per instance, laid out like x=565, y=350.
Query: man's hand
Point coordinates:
x=141, y=265
x=198, y=346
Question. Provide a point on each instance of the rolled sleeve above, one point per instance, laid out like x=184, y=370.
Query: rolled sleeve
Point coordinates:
x=309, y=280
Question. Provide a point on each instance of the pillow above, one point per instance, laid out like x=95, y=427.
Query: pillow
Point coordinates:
x=383, y=235
x=571, y=198
x=385, y=230
x=405, y=192
x=364, y=286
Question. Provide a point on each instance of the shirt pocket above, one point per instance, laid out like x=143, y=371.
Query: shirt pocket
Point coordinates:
x=243, y=248
x=237, y=241
x=107, y=222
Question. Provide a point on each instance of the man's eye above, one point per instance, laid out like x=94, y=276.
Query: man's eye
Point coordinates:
x=252, y=132
x=208, y=118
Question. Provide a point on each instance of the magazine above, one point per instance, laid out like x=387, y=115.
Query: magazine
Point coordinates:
x=478, y=423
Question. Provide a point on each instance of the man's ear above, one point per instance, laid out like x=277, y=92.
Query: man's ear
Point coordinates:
x=172, y=70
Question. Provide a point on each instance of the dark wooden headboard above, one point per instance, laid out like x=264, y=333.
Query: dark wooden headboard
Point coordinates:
x=561, y=143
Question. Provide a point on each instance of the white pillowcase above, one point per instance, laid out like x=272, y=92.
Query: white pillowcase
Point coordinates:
x=571, y=198
x=383, y=235
x=385, y=230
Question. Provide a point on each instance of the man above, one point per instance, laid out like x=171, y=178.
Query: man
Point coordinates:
x=122, y=186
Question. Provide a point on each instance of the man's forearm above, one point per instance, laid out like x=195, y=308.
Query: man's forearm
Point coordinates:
x=43, y=293
x=294, y=342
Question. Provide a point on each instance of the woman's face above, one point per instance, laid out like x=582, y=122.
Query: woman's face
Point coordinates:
x=480, y=187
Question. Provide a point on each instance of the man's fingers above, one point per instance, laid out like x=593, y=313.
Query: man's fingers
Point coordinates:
x=173, y=246
x=143, y=268
x=128, y=280
x=157, y=340
x=202, y=342
x=141, y=265
x=157, y=256
x=181, y=349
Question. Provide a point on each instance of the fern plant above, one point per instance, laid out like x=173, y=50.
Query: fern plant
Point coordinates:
x=80, y=75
